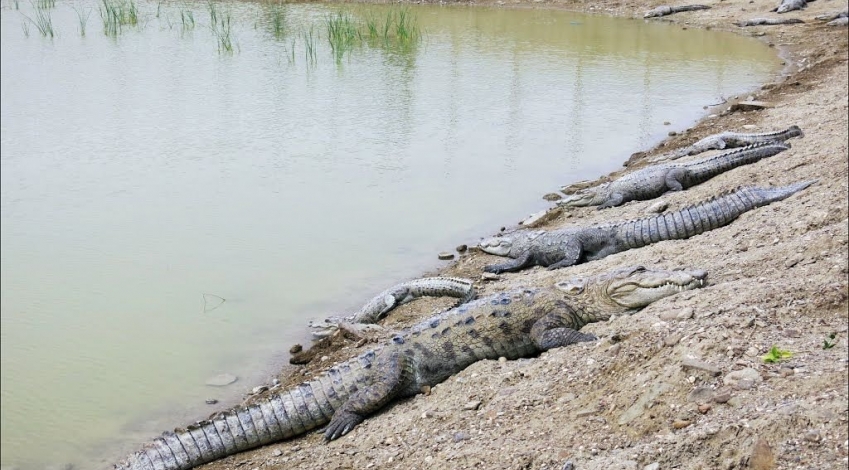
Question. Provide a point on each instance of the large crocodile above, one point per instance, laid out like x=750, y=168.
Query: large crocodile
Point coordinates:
x=653, y=181
x=790, y=5
x=725, y=140
x=573, y=245
x=665, y=10
x=397, y=295
x=511, y=324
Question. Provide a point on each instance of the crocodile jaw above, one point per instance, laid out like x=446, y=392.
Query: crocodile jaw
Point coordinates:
x=499, y=246
x=642, y=286
x=579, y=199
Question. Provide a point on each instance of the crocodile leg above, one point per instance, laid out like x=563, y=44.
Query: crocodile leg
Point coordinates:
x=615, y=199
x=392, y=374
x=676, y=178
x=554, y=331
x=521, y=262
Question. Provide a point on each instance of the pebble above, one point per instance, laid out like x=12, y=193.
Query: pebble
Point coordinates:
x=276, y=453
x=734, y=378
x=490, y=277
x=552, y=197
x=472, y=405
x=762, y=457
x=257, y=390
x=211, y=401
x=445, y=256
x=703, y=409
x=652, y=466
x=461, y=436
x=657, y=207
x=462, y=248
x=812, y=436
x=700, y=395
x=722, y=396
x=690, y=363
x=221, y=380
x=672, y=339
x=681, y=423
x=296, y=349
x=685, y=313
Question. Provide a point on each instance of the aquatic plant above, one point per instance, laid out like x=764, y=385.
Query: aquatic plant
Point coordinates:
x=43, y=4
x=116, y=14
x=25, y=27
x=43, y=22
x=342, y=33
x=276, y=19
x=309, y=46
x=223, y=31
x=83, y=18
x=213, y=15
x=187, y=18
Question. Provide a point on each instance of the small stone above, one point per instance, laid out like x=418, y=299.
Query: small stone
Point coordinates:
x=744, y=384
x=276, y=453
x=211, y=401
x=461, y=436
x=258, y=390
x=221, y=380
x=462, y=248
x=502, y=359
x=681, y=423
x=812, y=436
x=586, y=412
x=472, y=405
x=425, y=389
x=761, y=457
x=445, y=256
x=427, y=414
x=734, y=378
x=666, y=123
x=652, y=466
x=672, y=339
x=614, y=350
x=752, y=351
x=703, y=409
x=275, y=382
x=324, y=358
x=685, y=313
x=700, y=395
x=541, y=217
x=551, y=197
x=722, y=396
x=786, y=372
x=657, y=207
x=296, y=349
x=690, y=363
x=750, y=106
x=672, y=134
x=490, y=277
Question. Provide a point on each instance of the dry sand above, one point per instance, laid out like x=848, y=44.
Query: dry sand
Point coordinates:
x=778, y=276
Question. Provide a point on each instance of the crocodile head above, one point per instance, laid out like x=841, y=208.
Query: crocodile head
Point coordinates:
x=584, y=197
x=511, y=245
x=629, y=289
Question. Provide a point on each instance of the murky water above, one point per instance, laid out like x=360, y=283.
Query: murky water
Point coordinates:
x=143, y=171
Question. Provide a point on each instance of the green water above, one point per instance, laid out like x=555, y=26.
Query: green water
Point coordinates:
x=143, y=170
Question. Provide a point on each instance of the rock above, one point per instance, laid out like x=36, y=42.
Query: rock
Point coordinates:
x=639, y=406
x=812, y=436
x=666, y=123
x=657, y=207
x=690, y=363
x=445, y=256
x=541, y=217
x=703, y=409
x=685, y=314
x=551, y=197
x=722, y=396
x=296, y=349
x=462, y=248
x=672, y=339
x=734, y=378
x=461, y=436
x=681, y=423
x=750, y=106
x=652, y=466
x=761, y=457
x=211, y=401
x=490, y=277
x=744, y=384
x=586, y=412
x=472, y=405
x=672, y=133
x=276, y=453
x=700, y=395
x=258, y=390
x=221, y=380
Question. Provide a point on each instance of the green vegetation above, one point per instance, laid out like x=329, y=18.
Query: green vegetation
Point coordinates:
x=187, y=18
x=277, y=20
x=342, y=33
x=775, y=355
x=223, y=31
x=309, y=46
x=44, y=4
x=83, y=19
x=116, y=14
x=830, y=342
x=43, y=22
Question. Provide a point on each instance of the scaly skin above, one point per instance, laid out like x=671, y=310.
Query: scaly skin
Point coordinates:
x=731, y=140
x=399, y=294
x=570, y=246
x=512, y=324
x=768, y=22
x=789, y=5
x=651, y=182
x=668, y=10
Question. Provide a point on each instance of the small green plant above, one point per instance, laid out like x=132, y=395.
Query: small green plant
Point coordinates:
x=83, y=18
x=223, y=31
x=775, y=355
x=309, y=46
x=213, y=14
x=44, y=4
x=829, y=342
x=188, y=20
x=342, y=33
x=25, y=27
x=43, y=22
x=277, y=20
x=116, y=14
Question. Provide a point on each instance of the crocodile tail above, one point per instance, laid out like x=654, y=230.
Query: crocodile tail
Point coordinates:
x=706, y=169
x=701, y=217
x=272, y=418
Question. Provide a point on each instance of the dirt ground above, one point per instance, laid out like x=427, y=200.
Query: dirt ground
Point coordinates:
x=633, y=399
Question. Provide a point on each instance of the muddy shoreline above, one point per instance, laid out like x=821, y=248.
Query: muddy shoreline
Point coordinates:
x=779, y=275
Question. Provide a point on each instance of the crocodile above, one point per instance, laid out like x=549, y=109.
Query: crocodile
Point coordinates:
x=768, y=22
x=572, y=245
x=668, y=10
x=725, y=140
x=832, y=16
x=511, y=324
x=790, y=5
x=381, y=304
x=653, y=181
